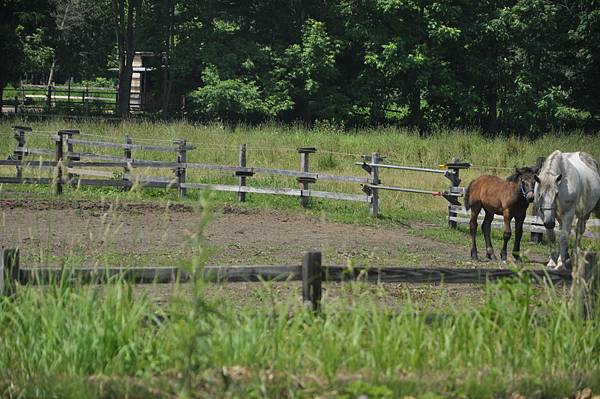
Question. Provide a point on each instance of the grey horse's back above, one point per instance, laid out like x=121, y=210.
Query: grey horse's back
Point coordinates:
x=593, y=164
x=589, y=161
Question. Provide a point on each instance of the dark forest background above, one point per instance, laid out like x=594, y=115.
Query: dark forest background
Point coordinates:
x=523, y=67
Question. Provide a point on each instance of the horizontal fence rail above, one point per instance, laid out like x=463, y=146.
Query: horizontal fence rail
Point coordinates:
x=388, y=274
x=312, y=273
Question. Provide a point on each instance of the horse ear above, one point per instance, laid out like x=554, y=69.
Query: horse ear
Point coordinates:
x=558, y=178
x=537, y=178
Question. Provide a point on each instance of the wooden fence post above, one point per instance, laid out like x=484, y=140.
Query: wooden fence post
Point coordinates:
x=586, y=284
x=20, y=137
x=84, y=102
x=454, y=177
x=312, y=278
x=9, y=270
x=127, y=155
x=241, y=195
x=70, y=151
x=536, y=237
x=180, y=172
x=49, y=98
x=304, y=164
x=375, y=181
x=58, y=145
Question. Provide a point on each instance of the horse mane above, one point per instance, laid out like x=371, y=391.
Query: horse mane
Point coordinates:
x=550, y=162
x=521, y=171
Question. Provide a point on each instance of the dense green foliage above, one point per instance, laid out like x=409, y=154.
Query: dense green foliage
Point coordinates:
x=524, y=66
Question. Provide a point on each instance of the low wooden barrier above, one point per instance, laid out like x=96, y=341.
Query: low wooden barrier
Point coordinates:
x=585, y=278
x=76, y=163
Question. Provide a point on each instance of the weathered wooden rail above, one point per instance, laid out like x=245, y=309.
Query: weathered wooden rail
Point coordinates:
x=312, y=274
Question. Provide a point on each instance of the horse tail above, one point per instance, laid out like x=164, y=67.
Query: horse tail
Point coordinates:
x=467, y=205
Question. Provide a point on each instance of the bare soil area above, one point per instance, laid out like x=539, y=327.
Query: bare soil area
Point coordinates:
x=150, y=234
x=158, y=234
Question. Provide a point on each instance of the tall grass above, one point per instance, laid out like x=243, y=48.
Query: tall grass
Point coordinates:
x=69, y=341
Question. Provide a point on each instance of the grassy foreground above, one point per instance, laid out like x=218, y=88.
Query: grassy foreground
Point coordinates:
x=72, y=341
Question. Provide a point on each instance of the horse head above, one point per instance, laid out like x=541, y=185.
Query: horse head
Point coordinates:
x=525, y=177
x=546, y=193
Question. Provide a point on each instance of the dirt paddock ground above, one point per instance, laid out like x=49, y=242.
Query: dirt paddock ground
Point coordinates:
x=149, y=234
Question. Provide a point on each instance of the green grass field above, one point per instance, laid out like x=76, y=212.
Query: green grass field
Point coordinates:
x=77, y=341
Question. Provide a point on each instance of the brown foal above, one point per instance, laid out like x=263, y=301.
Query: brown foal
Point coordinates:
x=509, y=198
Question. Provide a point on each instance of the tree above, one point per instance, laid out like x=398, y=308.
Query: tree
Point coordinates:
x=127, y=17
x=11, y=46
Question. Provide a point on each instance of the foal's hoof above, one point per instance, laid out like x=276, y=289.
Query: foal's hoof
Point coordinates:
x=492, y=257
x=517, y=258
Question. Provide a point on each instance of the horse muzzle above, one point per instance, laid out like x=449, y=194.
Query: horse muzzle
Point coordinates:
x=550, y=225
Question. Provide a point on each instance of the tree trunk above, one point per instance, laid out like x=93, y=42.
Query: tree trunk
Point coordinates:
x=167, y=82
x=126, y=19
x=491, y=120
x=415, y=115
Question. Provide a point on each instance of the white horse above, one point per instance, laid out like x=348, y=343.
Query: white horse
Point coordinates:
x=568, y=187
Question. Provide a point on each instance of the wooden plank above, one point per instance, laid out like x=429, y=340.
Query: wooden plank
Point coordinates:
x=90, y=155
x=290, y=273
x=26, y=180
x=399, y=167
x=337, y=196
x=278, y=191
x=120, y=145
x=162, y=275
x=28, y=164
x=144, y=179
x=244, y=189
x=88, y=172
x=35, y=151
x=284, y=172
x=353, y=179
x=404, y=190
x=437, y=275
x=120, y=183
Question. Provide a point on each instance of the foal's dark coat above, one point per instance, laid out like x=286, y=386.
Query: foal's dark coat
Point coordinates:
x=509, y=198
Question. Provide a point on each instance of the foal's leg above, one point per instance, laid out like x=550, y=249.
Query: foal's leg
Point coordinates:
x=473, y=230
x=507, y=233
x=518, y=234
x=486, y=227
